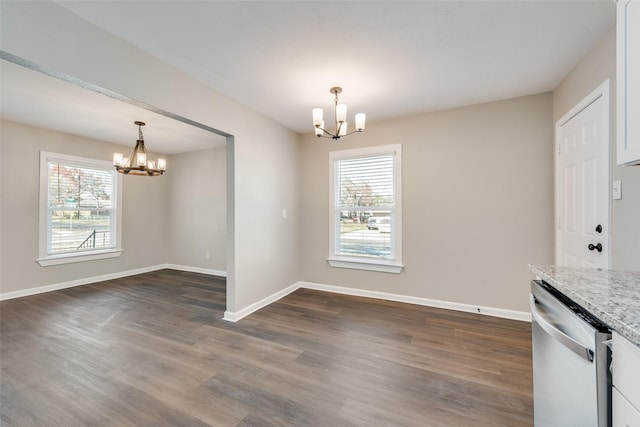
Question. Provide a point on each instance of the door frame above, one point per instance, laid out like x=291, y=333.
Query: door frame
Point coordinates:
x=602, y=91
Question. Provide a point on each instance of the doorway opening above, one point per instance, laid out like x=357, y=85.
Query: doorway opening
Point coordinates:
x=132, y=109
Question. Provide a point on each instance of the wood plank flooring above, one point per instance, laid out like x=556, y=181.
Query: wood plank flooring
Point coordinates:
x=153, y=350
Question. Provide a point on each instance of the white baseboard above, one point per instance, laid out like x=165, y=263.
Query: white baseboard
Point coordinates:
x=238, y=315
x=234, y=316
x=78, y=282
x=489, y=311
x=111, y=276
x=208, y=271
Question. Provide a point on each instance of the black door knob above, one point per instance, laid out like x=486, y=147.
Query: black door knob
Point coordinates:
x=598, y=228
x=597, y=247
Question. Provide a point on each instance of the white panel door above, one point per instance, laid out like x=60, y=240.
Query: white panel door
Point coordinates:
x=582, y=181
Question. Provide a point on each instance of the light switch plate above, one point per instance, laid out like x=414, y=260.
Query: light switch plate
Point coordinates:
x=617, y=190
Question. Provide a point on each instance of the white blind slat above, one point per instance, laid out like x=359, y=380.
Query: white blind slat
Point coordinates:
x=364, y=182
x=81, y=207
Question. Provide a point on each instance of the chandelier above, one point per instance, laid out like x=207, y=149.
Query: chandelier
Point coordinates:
x=340, y=117
x=138, y=163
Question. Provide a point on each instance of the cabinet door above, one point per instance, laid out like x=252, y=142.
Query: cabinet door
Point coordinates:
x=625, y=368
x=628, y=82
x=624, y=414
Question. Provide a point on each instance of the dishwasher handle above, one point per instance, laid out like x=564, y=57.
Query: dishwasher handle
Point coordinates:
x=557, y=334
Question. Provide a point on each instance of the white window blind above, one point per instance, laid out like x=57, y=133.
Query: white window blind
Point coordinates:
x=365, y=191
x=365, y=219
x=79, y=209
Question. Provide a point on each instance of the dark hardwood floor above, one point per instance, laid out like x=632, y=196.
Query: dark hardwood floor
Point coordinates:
x=153, y=350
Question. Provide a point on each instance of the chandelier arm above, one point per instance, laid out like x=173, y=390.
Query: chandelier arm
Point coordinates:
x=328, y=135
x=335, y=113
x=325, y=131
x=332, y=136
x=353, y=131
x=336, y=137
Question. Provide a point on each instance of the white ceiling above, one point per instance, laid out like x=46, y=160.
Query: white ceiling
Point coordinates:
x=392, y=58
x=40, y=100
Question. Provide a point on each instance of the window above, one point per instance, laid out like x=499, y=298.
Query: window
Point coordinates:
x=366, y=209
x=79, y=209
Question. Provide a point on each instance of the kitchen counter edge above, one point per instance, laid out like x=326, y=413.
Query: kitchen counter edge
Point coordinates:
x=611, y=296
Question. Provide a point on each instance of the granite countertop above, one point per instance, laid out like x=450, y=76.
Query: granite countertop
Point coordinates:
x=611, y=296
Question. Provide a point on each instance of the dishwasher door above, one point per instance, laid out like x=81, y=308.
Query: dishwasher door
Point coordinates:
x=571, y=384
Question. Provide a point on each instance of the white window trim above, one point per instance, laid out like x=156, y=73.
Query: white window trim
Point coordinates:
x=393, y=265
x=45, y=259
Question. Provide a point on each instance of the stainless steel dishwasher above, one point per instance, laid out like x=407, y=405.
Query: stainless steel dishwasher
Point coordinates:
x=571, y=378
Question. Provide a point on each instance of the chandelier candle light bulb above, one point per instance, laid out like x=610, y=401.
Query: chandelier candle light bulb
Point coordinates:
x=341, y=113
x=317, y=117
x=340, y=117
x=142, y=159
x=360, y=118
x=118, y=159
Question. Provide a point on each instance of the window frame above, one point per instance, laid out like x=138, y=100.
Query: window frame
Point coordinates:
x=387, y=265
x=46, y=259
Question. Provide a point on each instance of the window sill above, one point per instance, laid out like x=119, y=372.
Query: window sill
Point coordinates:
x=365, y=265
x=71, y=258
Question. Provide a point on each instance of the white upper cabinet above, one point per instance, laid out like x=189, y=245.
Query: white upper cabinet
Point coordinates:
x=628, y=82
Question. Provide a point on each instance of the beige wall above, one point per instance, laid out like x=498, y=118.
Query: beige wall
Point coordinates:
x=477, y=203
x=595, y=68
x=262, y=247
x=144, y=237
x=478, y=188
x=197, y=209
